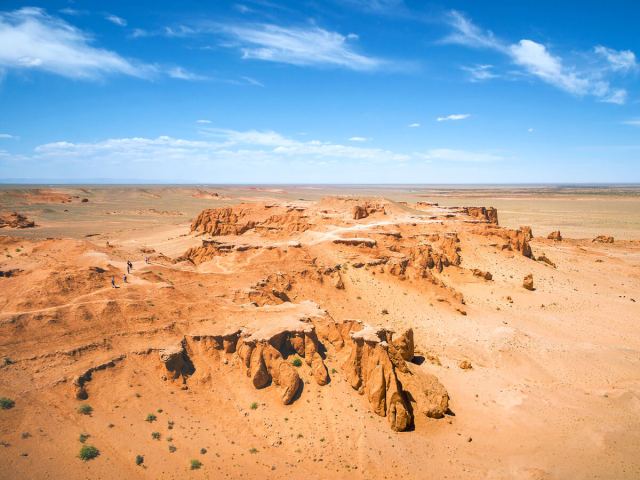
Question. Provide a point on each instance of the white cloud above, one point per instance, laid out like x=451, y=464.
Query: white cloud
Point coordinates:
x=203, y=121
x=183, y=74
x=6, y=136
x=530, y=130
x=414, y=125
x=252, y=81
x=233, y=148
x=634, y=122
x=359, y=139
x=466, y=33
x=453, y=155
x=453, y=117
x=121, y=22
x=536, y=60
x=478, y=73
x=619, y=60
x=305, y=46
x=31, y=39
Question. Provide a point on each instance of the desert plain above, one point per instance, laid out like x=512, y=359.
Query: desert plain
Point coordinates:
x=319, y=332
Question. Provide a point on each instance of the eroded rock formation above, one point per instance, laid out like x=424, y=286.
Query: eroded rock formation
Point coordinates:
x=15, y=220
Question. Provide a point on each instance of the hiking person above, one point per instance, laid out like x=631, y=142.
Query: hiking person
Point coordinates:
x=124, y=279
x=113, y=281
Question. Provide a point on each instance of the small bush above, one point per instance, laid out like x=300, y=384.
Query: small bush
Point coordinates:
x=254, y=406
x=155, y=435
x=253, y=450
x=195, y=464
x=88, y=452
x=85, y=409
x=172, y=448
x=6, y=403
x=203, y=451
x=151, y=418
x=170, y=424
x=296, y=362
x=83, y=437
x=139, y=460
x=334, y=371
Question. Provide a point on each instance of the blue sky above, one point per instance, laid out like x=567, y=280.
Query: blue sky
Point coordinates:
x=334, y=91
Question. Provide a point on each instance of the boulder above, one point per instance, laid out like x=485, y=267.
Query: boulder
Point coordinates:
x=528, y=282
x=555, y=235
x=603, y=239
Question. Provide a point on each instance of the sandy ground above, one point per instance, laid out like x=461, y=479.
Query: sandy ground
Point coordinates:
x=553, y=392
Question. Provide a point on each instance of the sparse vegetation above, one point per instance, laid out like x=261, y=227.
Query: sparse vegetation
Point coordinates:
x=155, y=435
x=170, y=424
x=85, y=409
x=296, y=362
x=83, y=437
x=88, y=452
x=253, y=450
x=6, y=403
x=334, y=371
x=203, y=451
x=139, y=460
x=151, y=418
x=172, y=448
x=195, y=464
x=254, y=406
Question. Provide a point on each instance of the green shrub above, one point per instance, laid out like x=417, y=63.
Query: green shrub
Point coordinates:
x=6, y=403
x=155, y=435
x=195, y=464
x=253, y=450
x=83, y=437
x=85, y=409
x=172, y=448
x=151, y=418
x=254, y=406
x=139, y=459
x=296, y=362
x=87, y=452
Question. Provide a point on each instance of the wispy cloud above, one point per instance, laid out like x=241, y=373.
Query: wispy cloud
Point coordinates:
x=183, y=74
x=203, y=122
x=619, y=60
x=453, y=155
x=414, y=125
x=32, y=40
x=633, y=122
x=453, y=117
x=359, y=139
x=116, y=20
x=478, y=73
x=6, y=136
x=537, y=60
x=303, y=46
x=234, y=147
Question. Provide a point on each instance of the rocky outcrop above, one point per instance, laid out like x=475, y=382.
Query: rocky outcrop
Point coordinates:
x=80, y=381
x=515, y=240
x=358, y=242
x=223, y=221
x=527, y=283
x=527, y=232
x=555, y=235
x=376, y=366
x=482, y=274
x=489, y=215
x=603, y=239
x=15, y=220
x=365, y=209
